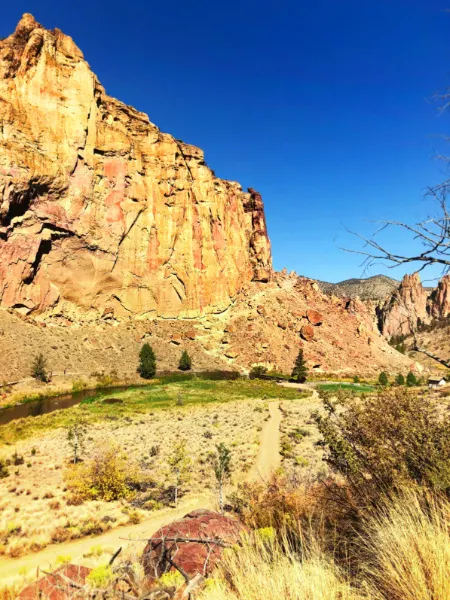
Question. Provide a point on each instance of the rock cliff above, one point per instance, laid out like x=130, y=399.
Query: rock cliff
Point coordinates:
x=413, y=306
x=100, y=212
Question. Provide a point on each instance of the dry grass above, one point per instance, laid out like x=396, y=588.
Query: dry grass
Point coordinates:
x=408, y=544
x=300, y=454
x=261, y=569
x=403, y=554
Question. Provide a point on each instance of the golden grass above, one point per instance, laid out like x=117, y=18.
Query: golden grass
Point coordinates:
x=408, y=543
x=262, y=570
x=404, y=554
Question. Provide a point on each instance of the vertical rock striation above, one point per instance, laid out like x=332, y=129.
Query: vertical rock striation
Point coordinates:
x=101, y=212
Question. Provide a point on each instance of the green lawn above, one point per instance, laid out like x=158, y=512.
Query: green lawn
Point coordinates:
x=161, y=394
x=354, y=387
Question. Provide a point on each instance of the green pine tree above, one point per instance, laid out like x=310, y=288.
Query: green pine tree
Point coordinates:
x=185, y=363
x=39, y=368
x=400, y=379
x=411, y=380
x=300, y=370
x=147, y=362
x=383, y=379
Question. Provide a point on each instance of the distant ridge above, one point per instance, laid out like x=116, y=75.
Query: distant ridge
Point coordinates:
x=372, y=288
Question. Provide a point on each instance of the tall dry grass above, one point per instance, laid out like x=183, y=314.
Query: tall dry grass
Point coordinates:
x=407, y=544
x=403, y=554
x=262, y=569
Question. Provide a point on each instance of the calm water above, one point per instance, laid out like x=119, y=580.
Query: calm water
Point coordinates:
x=48, y=405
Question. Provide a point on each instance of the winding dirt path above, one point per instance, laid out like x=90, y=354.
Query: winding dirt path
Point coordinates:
x=268, y=459
x=11, y=568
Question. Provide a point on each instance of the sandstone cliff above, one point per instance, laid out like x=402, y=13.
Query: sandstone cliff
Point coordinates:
x=100, y=212
x=413, y=306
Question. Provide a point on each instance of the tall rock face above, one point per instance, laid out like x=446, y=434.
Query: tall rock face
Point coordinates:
x=405, y=308
x=101, y=212
x=412, y=305
x=440, y=299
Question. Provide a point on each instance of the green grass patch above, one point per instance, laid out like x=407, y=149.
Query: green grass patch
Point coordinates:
x=353, y=387
x=162, y=394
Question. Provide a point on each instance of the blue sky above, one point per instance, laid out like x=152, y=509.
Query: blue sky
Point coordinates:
x=324, y=106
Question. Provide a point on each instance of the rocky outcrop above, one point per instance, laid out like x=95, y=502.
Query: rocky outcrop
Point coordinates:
x=405, y=308
x=193, y=545
x=440, y=299
x=100, y=212
x=412, y=306
x=65, y=583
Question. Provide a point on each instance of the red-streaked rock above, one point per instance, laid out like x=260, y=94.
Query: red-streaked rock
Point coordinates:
x=56, y=586
x=192, y=557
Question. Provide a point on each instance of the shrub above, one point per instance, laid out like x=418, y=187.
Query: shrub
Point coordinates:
x=4, y=472
x=185, y=363
x=383, y=379
x=100, y=576
x=75, y=436
x=39, y=368
x=300, y=370
x=400, y=379
x=387, y=441
x=108, y=476
x=411, y=379
x=17, y=459
x=257, y=371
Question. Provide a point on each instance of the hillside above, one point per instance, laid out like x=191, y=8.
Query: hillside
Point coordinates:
x=372, y=288
x=113, y=234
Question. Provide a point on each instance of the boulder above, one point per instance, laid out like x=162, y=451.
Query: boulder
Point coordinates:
x=194, y=543
x=314, y=317
x=307, y=332
x=58, y=585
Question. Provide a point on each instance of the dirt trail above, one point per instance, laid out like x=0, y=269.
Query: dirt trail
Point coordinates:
x=45, y=560
x=268, y=459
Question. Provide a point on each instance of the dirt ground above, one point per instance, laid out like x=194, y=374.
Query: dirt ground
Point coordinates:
x=35, y=502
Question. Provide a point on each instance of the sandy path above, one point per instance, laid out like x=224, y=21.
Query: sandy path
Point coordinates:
x=268, y=459
x=11, y=568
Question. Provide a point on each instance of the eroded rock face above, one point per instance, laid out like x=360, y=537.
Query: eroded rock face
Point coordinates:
x=440, y=299
x=101, y=212
x=412, y=305
x=405, y=308
x=171, y=543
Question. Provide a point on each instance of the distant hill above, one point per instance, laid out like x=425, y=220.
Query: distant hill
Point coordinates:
x=372, y=288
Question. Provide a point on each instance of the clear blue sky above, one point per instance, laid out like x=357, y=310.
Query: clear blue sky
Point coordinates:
x=323, y=106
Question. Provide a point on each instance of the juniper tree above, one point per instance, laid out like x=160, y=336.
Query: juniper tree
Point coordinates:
x=383, y=379
x=411, y=379
x=147, y=362
x=185, y=363
x=400, y=379
x=39, y=368
x=300, y=370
